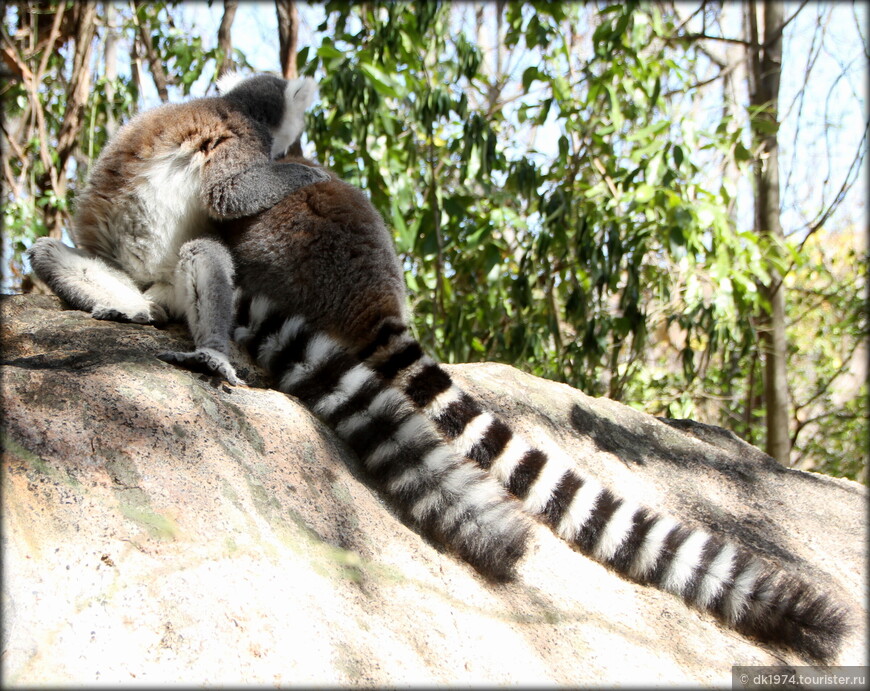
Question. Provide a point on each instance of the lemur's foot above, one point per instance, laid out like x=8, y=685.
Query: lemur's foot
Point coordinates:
x=204, y=360
x=149, y=314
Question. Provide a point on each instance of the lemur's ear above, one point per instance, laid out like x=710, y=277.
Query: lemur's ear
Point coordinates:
x=300, y=93
x=228, y=82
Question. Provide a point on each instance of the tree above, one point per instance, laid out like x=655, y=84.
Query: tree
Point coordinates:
x=47, y=178
x=60, y=105
x=288, y=36
x=760, y=37
x=225, y=40
x=765, y=64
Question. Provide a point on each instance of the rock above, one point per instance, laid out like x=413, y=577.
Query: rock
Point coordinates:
x=162, y=527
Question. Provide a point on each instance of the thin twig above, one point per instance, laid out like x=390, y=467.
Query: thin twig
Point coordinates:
x=600, y=168
x=52, y=37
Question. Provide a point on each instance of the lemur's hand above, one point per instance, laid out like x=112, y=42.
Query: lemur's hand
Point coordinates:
x=204, y=360
x=307, y=175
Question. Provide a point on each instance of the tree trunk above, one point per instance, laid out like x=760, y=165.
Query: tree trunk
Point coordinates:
x=158, y=72
x=111, y=58
x=225, y=39
x=288, y=33
x=73, y=118
x=764, y=68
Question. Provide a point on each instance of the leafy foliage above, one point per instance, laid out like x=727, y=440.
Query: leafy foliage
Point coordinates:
x=553, y=264
x=828, y=335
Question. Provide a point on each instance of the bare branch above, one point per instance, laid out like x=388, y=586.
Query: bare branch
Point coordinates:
x=701, y=8
x=825, y=386
x=801, y=426
x=52, y=37
x=800, y=97
x=607, y=179
x=707, y=37
x=858, y=26
x=77, y=98
x=110, y=58
x=37, y=114
x=748, y=43
x=225, y=39
x=161, y=80
x=288, y=36
x=848, y=181
x=776, y=33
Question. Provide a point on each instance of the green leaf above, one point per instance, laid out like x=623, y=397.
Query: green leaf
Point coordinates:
x=379, y=80
x=329, y=51
x=644, y=193
x=530, y=74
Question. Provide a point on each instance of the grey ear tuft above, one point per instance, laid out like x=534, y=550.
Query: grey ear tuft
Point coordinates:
x=228, y=82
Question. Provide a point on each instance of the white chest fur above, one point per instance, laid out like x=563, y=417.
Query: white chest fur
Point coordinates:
x=159, y=213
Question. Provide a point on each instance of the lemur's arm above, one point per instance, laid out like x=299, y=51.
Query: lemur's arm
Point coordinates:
x=203, y=288
x=233, y=190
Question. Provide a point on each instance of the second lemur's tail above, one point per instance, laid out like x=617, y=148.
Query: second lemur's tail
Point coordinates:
x=425, y=479
x=735, y=585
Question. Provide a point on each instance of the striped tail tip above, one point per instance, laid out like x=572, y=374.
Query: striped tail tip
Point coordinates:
x=739, y=588
x=786, y=611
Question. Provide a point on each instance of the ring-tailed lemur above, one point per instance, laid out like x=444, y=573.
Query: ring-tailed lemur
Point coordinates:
x=143, y=223
x=146, y=223
x=322, y=308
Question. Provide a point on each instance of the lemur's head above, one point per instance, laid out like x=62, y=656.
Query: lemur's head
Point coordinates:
x=277, y=103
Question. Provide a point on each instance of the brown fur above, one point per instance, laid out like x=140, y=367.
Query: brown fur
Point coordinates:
x=322, y=252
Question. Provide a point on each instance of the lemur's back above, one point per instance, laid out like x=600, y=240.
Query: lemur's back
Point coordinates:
x=324, y=253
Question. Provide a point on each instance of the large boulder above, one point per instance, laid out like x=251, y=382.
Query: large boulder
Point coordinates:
x=161, y=526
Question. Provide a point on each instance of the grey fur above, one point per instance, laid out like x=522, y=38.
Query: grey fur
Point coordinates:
x=254, y=189
x=142, y=223
x=204, y=287
x=91, y=284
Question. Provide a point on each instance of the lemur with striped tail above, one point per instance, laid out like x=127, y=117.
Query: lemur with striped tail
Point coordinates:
x=147, y=250
x=322, y=309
